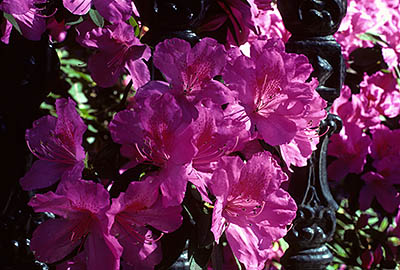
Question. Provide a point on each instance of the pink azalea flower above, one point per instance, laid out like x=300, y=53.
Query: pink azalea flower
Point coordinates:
x=355, y=109
x=350, y=147
x=381, y=92
x=158, y=129
x=376, y=186
x=214, y=136
x=270, y=86
x=190, y=71
x=138, y=207
x=57, y=144
x=82, y=207
x=267, y=21
x=115, y=11
x=117, y=49
x=385, y=151
x=250, y=206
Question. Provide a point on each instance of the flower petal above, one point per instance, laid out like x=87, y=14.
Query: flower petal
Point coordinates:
x=52, y=249
x=77, y=7
x=104, y=252
x=43, y=174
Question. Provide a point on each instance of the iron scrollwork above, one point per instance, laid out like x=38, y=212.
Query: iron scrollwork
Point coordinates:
x=312, y=23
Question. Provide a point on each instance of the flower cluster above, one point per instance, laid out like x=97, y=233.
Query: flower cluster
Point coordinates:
x=193, y=143
x=188, y=130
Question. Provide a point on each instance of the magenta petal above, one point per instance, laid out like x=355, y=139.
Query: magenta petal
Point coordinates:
x=366, y=197
x=142, y=194
x=104, y=75
x=16, y=7
x=92, y=36
x=70, y=125
x=279, y=210
x=219, y=185
x=114, y=11
x=182, y=151
x=139, y=72
x=43, y=174
x=104, y=252
x=169, y=58
x=276, y=129
x=77, y=7
x=166, y=219
x=388, y=198
x=86, y=195
x=32, y=24
x=218, y=221
x=5, y=31
x=138, y=254
x=173, y=186
x=245, y=246
x=338, y=169
x=76, y=263
x=51, y=202
x=40, y=133
x=126, y=127
x=73, y=173
x=51, y=241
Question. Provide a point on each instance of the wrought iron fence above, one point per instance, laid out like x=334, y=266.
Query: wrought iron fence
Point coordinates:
x=312, y=24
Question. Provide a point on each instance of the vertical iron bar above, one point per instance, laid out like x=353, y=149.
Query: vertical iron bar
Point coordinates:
x=312, y=24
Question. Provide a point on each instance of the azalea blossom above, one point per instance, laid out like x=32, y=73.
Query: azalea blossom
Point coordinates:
x=57, y=142
x=157, y=128
x=136, y=208
x=271, y=88
x=380, y=91
x=377, y=186
x=83, y=222
x=350, y=147
x=190, y=71
x=117, y=49
x=250, y=206
x=214, y=137
x=355, y=109
x=385, y=151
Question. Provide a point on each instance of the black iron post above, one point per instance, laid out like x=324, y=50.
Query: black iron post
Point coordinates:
x=312, y=24
x=171, y=18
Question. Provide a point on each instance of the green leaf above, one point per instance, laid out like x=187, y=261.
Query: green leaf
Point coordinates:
x=193, y=265
x=372, y=37
x=75, y=22
x=73, y=62
x=133, y=22
x=96, y=18
x=76, y=92
x=384, y=224
x=135, y=25
x=14, y=23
